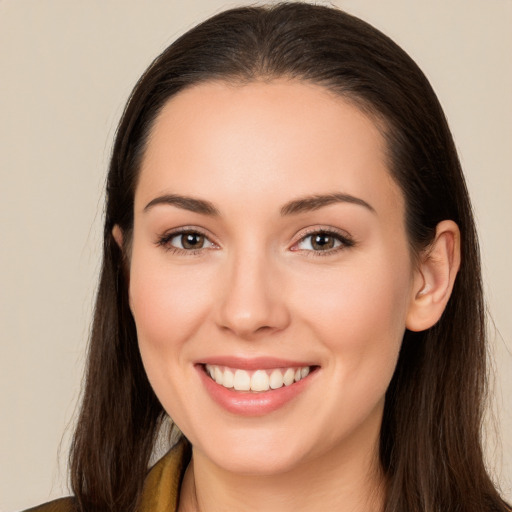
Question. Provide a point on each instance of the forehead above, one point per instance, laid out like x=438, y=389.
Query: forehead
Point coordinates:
x=273, y=139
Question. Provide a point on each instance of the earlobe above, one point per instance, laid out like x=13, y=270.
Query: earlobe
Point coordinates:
x=117, y=234
x=435, y=277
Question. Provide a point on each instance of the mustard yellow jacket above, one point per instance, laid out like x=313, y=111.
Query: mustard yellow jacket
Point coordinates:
x=161, y=486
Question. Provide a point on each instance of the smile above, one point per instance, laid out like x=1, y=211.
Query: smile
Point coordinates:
x=255, y=387
x=259, y=380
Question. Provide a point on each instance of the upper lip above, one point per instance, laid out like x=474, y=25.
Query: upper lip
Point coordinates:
x=253, y=363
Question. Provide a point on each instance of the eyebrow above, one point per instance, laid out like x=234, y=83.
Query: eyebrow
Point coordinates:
x=311, y=203
x=301, y=205
x=186, y=203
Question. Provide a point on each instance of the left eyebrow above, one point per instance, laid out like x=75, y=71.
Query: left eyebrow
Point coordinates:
x=186, y=203
x=314, y=202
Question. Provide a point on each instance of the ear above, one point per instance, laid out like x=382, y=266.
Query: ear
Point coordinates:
x=435, y=276
x=117, y=233
x=118, y=236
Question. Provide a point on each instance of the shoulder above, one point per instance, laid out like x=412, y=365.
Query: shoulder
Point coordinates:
x=161, y=486
x=60, y=505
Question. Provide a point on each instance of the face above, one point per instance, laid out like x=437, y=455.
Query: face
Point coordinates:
x=270, y=275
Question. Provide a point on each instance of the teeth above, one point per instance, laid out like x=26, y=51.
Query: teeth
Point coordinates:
x=259, y=380
x=218, y=376
x=228, y=379
x=276, y=379
x=242, y=381
x=289, y=377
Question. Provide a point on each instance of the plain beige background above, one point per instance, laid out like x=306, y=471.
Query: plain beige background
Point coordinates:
x=66, y=69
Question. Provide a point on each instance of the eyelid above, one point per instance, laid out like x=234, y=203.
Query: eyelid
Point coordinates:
x=344, y=237
x=164, y=239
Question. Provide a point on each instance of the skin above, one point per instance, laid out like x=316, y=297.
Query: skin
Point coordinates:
x=257, y=287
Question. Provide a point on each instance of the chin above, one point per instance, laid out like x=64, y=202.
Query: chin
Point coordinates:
x=258, y=451
x=258, y=461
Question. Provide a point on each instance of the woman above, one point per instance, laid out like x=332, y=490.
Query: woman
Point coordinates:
x=291, y=274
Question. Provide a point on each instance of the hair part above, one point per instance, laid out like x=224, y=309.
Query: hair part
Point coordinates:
x=430, y=446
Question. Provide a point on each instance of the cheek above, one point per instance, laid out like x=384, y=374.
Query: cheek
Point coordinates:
x=355, y=300
x=359, y=315
x=168, y=303
x=169, y=306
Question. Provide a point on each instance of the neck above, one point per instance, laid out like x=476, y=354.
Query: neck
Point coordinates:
x=346, y=479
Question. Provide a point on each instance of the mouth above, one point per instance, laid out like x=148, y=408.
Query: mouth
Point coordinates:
x=256, y=386
x=257, y=380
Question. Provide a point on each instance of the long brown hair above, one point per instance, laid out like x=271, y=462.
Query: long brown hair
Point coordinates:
x=430, y=445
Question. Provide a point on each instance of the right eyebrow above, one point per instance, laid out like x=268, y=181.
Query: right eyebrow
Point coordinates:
x=184, y=202
x=315, y=202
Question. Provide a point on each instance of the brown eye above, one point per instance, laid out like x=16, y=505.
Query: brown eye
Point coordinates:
x=192, y=240
x=322, y=242
x=189, y=241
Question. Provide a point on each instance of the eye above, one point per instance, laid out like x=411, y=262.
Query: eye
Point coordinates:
x=187, y=241
x=323, y=241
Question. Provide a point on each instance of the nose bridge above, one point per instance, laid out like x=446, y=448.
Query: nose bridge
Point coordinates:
x=251, y=302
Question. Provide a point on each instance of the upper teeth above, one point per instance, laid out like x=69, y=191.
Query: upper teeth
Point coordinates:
x=259, y=380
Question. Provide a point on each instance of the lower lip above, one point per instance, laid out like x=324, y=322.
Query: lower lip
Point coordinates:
x=253, y=404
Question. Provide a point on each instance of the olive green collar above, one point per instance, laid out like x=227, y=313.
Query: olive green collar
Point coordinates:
x=162, y=485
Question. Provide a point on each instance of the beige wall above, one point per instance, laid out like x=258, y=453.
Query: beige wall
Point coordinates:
x=66, y=68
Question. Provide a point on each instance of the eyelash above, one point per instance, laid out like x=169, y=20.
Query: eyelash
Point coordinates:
x=345, y=241
x=164, y=241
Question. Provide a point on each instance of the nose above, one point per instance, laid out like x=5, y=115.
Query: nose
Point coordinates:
x=251, y=302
